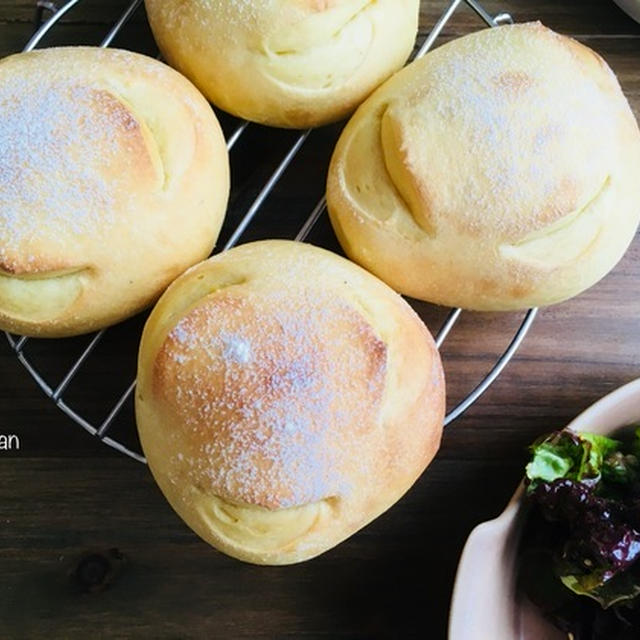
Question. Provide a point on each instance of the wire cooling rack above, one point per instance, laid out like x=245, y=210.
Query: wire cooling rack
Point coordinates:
x=56, y=388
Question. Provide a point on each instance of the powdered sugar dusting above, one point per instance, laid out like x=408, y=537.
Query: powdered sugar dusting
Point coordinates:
x=61, y=144
x=236, y=349
x=243, y=13
x=502, y=104
x=269, y=393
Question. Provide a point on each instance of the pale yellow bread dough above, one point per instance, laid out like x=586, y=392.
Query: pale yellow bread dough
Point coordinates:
x=286, y=63
x=285, y=398
x=501, y=171
x=114, y=179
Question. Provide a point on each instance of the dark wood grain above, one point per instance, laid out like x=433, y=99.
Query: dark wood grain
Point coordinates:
x=64, y=494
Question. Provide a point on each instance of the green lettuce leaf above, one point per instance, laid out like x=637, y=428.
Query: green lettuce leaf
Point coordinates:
x=564, y=454
x=594, y=455
x=619, y=589
x=549, y=463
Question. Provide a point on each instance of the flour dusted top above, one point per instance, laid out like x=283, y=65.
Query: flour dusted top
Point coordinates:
x=271, y=396
x=114, y=179
x=498, y=172
x=75, y=153
x=513, y=122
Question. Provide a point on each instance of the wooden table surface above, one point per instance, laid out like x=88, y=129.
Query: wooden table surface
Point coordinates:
x=68, y=502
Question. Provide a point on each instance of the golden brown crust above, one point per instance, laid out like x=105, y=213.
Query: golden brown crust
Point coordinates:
x=113, y=180
x=288, y=63
x=286, y=384
x=499, y=172
x=231, y=386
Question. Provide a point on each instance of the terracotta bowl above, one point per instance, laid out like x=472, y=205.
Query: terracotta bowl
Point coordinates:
x=485, y=605
x=632, y=7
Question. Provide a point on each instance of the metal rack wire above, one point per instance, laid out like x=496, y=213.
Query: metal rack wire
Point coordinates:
x=56, y=391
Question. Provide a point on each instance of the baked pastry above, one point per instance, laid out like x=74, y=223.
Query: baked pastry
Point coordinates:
x=285, y=398
x=114, y=179
x=286, y=63
x=501, y=171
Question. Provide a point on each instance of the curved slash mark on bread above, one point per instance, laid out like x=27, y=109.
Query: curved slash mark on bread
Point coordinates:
x=364, y=180
x=353, y=18
x=260, y=529
x=40, y=275
x=293, y=41
x=391, y=143
x=296, y=44
x=541, y=246
x=40, y=296
x=157, y=152
x=190, y=295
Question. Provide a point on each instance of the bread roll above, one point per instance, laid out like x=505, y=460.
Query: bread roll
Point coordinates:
x=502, y=171
x=286, y=63
x=114, y=179
x=285, y=399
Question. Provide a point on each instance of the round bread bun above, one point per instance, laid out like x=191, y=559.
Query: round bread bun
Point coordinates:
x=114, y=179
x=501, y=171
x=285, y=398
x=285, y=63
